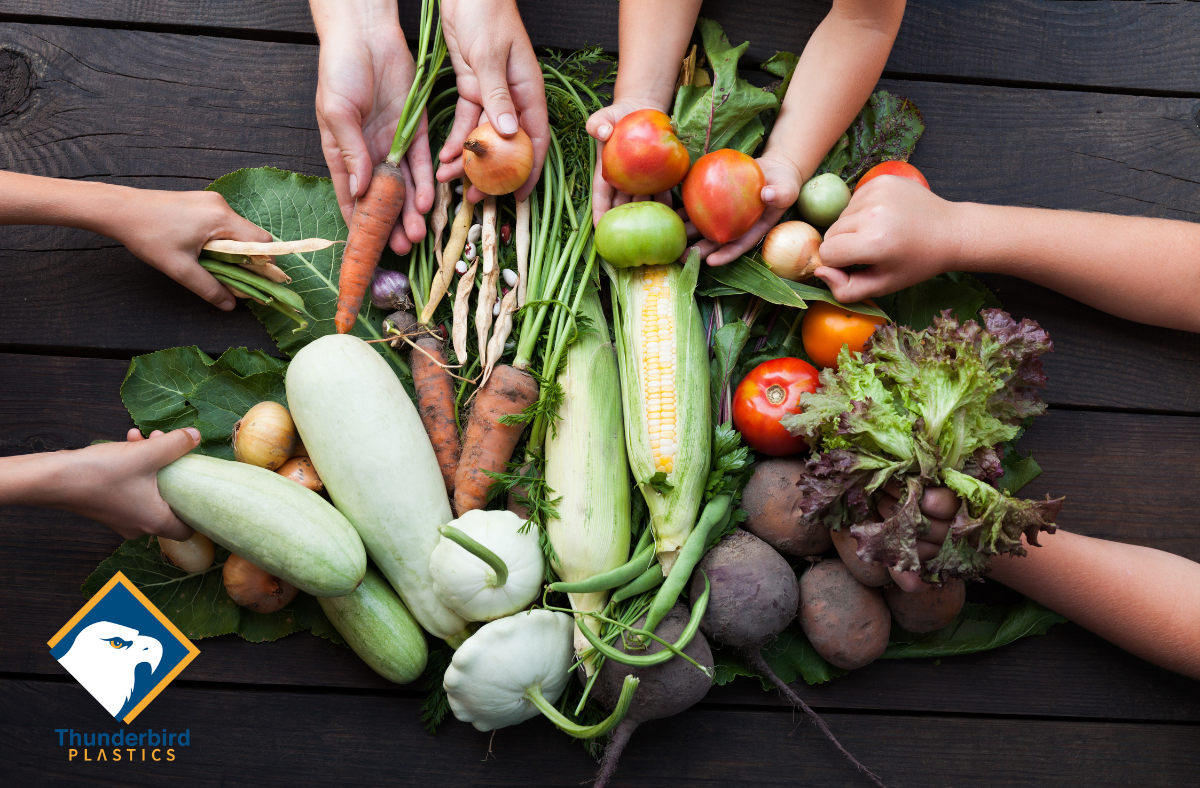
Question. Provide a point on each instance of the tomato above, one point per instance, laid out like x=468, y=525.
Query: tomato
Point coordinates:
x=640, y=233
x=723, y=194
x=899, y=168
x=643, y=155
x=827, y=327
x=771, y=391
x=822, y=199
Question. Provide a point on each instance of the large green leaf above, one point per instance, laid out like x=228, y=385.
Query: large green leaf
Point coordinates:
x=198, y=603
x=782, y=65
x=157, y=385
x=748, y=274
x=291, y=206
x=977, y=628
x=886, y=129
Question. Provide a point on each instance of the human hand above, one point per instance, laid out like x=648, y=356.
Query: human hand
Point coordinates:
x=191, y=219
x=363, y=78
x=901, y=231
x=939, y=505
x=781, y=188
x=116, y=484
x=497, y=74
x=600, y=125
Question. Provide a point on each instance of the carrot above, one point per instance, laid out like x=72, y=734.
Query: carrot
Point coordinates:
x=435, y=403
x=488, y=445
x=374, y=216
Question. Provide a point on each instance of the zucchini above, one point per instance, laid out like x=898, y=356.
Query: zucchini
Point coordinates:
x=377, y=625
x=369, y=447
x=269, y=520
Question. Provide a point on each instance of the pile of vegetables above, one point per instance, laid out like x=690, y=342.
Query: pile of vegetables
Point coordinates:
x=541, y=436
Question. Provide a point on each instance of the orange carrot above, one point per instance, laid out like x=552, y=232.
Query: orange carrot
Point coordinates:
x=488, y=445
x=374, y=216
x=435, y=403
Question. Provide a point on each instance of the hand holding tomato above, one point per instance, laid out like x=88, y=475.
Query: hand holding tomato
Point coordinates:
x=601, y=125
x=826, y=328
x=771, y=391
x=779, y=189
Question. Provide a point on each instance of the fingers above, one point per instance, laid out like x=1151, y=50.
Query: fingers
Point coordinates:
x=529, y=92
x=851, y=287
x=600, y=124
x=345, y=152
x=420, y=163
x=134, y=435
x=602, y=192
x=168, y=525
x=491, y=72
x=162, y=449
x=466, y=120
x=739, y=246
x=940, y=503
x=185, y=270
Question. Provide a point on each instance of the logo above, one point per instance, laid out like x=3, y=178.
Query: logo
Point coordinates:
x=122, y=649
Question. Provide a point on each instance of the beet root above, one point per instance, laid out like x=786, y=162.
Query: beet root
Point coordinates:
x=869, y=573
x=771, y=502
x=665, y=689
x=927, y=610
x=847, y=623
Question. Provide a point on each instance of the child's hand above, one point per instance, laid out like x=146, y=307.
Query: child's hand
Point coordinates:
x=779, y=193
x=498, y=74
x=939, y=504
x=167, y=230
x=600, y=125
x=902, y=231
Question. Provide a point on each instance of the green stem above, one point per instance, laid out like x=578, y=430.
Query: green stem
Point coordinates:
x=428, y=65
x=610, y=579
x=689, y=555
x=479, y=551
x=290, y=314
x=535, y=696
x=651, y=578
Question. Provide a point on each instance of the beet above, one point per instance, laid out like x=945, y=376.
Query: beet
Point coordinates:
x=772, y=501
x=665, y=690
x=927, y=610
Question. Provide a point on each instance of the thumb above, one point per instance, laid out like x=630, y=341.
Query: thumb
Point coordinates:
x=852, y=287
x=600, y=125
x=781, y=190
x=165, y=448
x=497, y=99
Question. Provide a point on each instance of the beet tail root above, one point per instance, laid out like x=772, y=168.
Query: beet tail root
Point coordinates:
x=612, y=752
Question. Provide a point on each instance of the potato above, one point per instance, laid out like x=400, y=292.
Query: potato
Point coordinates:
x=928, y=610
x=771, y=501
x=847, y=623
x=869, y=573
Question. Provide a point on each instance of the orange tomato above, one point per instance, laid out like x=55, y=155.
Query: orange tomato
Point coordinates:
x=899, y=168
x=827, y=327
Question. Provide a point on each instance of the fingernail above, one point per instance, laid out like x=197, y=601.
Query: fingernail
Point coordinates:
x=227, y=305
x=195, y=433
x=604, y=131
x=354, y=185
x=508, y=123
x=768, y=194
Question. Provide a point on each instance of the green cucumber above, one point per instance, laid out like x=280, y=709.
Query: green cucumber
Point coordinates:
x=377, y=625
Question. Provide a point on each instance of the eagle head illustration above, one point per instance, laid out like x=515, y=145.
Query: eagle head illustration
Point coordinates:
x=104, y=659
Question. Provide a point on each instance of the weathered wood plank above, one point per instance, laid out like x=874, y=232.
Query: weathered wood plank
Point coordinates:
x=301, y=739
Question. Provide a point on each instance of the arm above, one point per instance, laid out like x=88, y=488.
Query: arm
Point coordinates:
x=1145, y=601
x=1136, y=268
x=164, y=229
x=363, y=78
x=654, y=36
x=837, y=71
x=113, y=483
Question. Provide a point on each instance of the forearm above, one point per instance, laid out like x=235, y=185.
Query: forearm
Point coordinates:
x=654, y=36
x=33, y=480
x=87, y=205
x=838, y=69
x=331, y=17
x=1136, y=268
x=1145, y=601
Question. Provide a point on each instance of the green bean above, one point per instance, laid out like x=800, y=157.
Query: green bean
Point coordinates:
x=610, y=579
x=716, y=512
x=245, y=289
x=651, y=578
x=260, y=283
x=228, y=257
x=290, y=314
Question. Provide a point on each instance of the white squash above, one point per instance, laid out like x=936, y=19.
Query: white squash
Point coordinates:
x=368, y=445
x=494, y=572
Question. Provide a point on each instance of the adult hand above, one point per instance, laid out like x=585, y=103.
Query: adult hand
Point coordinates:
x=782, y=187
x=363, y=78
x=901, y=231
x=939, y=505
x=497, y=74
x=600, y=125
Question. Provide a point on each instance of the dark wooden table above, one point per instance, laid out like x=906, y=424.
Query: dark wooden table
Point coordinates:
x=1084, y=105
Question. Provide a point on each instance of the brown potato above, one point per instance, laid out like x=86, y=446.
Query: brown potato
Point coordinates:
x=847, y=623
x=869, y=573
x=928, y=610
x=771, y=501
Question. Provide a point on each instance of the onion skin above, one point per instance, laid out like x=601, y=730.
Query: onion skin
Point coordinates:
x=301, y=471
x=192, y=555
x=497, y=165
x=389, y=289
x=254, y=588
x=792, y=250
x=265, y=436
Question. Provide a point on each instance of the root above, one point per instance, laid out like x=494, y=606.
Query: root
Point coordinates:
x=612, y=753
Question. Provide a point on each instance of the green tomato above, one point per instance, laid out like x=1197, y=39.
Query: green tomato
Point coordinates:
x=640, y=233
x=823, y=199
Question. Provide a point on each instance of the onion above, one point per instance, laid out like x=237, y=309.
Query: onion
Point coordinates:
x=792, y=251
x=389, y=289
x=265, y=436
x=496, y=164
x=301, y=471
x=254, y=588
x=192, y=555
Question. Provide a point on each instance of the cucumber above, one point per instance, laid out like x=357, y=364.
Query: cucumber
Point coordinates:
x=377, y=625
x=269, y=520
x=369, y=447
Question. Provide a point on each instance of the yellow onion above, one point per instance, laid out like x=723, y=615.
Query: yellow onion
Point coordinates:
x=792, y=250
x=301, y=471
x=254, y=588
x=496, y=164
x=192, y=555
x=265, y=436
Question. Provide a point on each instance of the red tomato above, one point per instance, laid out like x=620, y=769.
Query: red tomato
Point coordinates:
x=827, y=327
x=643, y=155
x=771, y=391
x=899, y=168
x=723, y=194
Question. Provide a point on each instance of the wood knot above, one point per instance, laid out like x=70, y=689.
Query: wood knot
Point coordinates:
x=16, y=83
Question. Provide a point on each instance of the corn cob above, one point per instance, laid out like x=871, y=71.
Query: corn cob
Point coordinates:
x=664, y=385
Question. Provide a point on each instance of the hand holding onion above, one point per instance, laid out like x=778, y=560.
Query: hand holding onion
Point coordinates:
x=496, y=164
